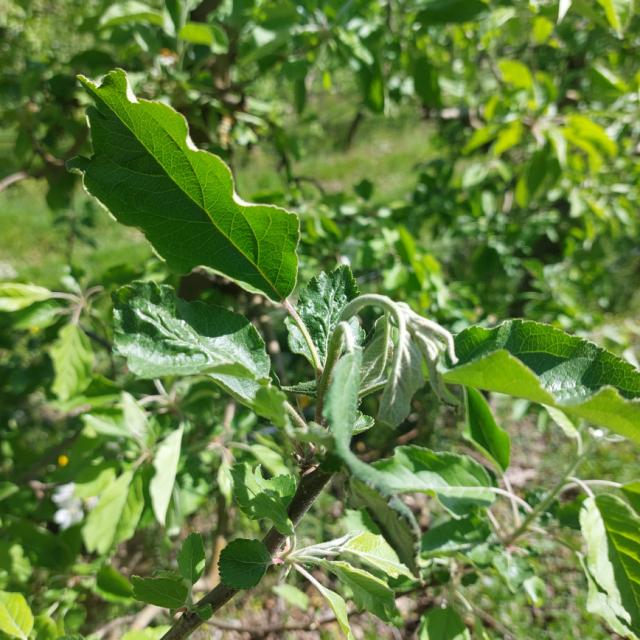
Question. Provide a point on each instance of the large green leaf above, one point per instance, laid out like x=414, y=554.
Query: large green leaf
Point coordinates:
x=162, y=335
x=148, y=174
x=320, y=304
x=165, y=463
x=612, y=532
x=535, y=361
x=16, y=619
x=72, y=362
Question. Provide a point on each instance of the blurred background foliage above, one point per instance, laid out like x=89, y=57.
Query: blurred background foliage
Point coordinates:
x=477, y=159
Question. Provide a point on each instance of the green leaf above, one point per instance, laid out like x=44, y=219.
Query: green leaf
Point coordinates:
x=165, y=462
x=618, y=13
x=243, y=563
x=128, y=12
x=631, y=491
x=182, y=198
x=169, y=592
x=72, y=362
x=459, y=482
x=339, y=608
x=612, y=533
x=398, y=527
x=454, y=536
x=450, y=11
x=319, y=305
x=102, y=522
x=535, y=361
x=369, y=592
x=16, y=619
x=260, y=498
x=132, y=512
x=374, y=550
x=112, y=582
x=292, y=595
x=442, y=624
x=482, y=430
x=564, y=422
x=161, y=335
x=191, y=558
x=209, y=35
x=15, y=296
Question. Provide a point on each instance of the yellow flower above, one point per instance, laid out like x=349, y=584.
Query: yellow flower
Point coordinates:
x=63, y=460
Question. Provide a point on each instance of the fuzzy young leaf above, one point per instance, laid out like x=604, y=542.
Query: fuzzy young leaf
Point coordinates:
x=376, y=353
x=612, y=533
x=16, y=619
x=162, y=335
x=483, y=431
x=243, y=563
x=369, y=592
x=442, y=624
x=182, y=198
x=545, y=365
x=169, y=592
x=402, y=383
x=191, y=558
x=320, y=304
x=72, y=362
x=165, y=463
x=260, y=498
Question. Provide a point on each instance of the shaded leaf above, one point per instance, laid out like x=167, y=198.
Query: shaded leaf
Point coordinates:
x=450, y=11
x=483, y=431
x=260, y=498
x=369, y=592
x=161, y=335
x=191, y=558
x=442, y=624
x=243, y=563
x=454, y=536
x=169, y=592
x=182, y=198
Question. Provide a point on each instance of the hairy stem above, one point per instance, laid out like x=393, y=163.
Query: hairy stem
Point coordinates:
x=311, y=485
